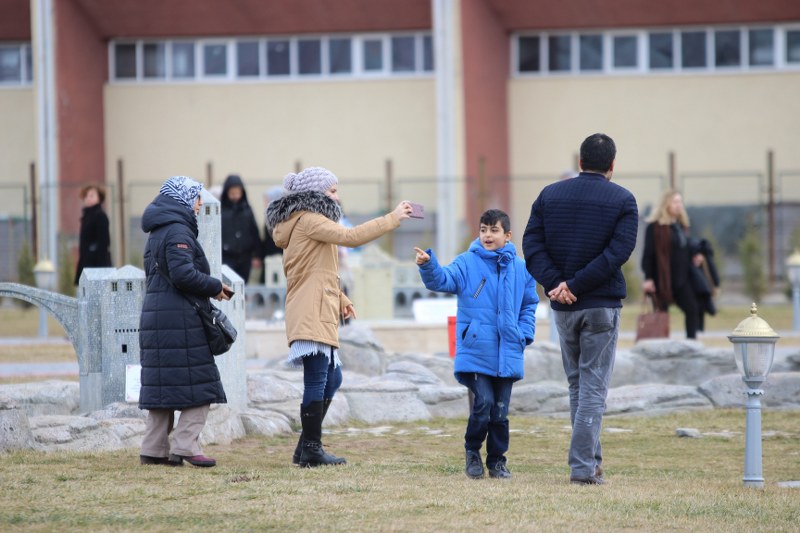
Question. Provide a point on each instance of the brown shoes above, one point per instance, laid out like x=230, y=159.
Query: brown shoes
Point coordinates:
x=596, y=479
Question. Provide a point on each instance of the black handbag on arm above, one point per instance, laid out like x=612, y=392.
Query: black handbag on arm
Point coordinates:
x=220, y=332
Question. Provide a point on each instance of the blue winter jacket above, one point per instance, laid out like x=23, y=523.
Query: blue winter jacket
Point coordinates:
x=496, y=307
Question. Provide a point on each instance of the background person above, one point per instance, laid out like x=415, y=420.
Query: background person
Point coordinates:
x=305, y=223
x=580, y=233
x=94, y=242
x=496, y=319
x=178, y=371
x=668, y=259
x=268, y=246
x=241, y=243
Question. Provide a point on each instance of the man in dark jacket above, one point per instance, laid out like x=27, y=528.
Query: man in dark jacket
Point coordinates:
x=241, y=242
x=178, y=369
x=580, y=233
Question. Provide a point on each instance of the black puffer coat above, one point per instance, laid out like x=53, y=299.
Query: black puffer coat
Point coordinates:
x=178, y=370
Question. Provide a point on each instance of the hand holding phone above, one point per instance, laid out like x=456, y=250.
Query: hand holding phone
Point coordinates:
x=228, y=291
x=417, y=210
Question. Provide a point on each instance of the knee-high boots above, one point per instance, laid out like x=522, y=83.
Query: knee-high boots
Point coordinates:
x=309, y=451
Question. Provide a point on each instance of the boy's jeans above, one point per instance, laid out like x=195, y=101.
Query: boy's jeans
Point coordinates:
x=588, y=347
x=489, y=417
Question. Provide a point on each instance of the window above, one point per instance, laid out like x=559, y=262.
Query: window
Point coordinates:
x=10, y=64
x=693, y=49
x=373, y=55
x=528, y=54
x=340, y=56
x=660, y=50
x=155, y=60
x=402, y=54
x=278, y=62
x=309, y=54
x=559, y=53
x=793, y=46
x=625, y=53
x=183, y=60
x=125, y=61
x=427, y=53
x=727, y=52
x=233, y=59
x=591, y=52
x=761, y=45
x=215, y=59
x=247, y=60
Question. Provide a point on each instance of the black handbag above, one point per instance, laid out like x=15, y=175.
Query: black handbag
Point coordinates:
x=220, y=332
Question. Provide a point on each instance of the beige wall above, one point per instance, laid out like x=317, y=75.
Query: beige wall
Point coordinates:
x=17, y=148
x=261, y=130
x=714, y=123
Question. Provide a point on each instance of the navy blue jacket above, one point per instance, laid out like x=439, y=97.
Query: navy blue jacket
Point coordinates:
x=178, y=370
x=582, y=230
x=496, y=308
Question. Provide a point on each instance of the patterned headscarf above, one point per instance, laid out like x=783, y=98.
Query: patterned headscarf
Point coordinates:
x=183, y=189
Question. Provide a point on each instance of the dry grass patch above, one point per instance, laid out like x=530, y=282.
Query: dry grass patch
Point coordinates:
x=409, y=477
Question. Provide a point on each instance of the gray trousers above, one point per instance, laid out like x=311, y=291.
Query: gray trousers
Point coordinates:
x=185, y=436
x=588, y=347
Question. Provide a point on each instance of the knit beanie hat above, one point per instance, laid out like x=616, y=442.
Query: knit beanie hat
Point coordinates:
x=183, y=189
x=310, y=179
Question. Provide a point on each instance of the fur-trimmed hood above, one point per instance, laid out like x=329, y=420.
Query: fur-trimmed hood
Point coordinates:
x=280, y=210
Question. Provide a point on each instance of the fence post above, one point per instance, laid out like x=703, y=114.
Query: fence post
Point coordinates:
x=34, y=214
x=671, y=169
x=771, y=214
x=210, y=174
x=123, y=250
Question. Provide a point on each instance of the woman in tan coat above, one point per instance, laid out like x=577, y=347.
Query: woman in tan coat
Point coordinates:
x=305, y=223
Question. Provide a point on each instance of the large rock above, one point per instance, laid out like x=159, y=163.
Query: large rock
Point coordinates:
x=223, y=426
x=543, y=397
x=360, y=352
x=655, y=398
x=380, y=400
x=53, y=397
x=80, y=433
x=272, y=387
x=681, y=362
x=413, y=372
x=543, y=363
x=15, y=432
x=265, y=423
x=781, y=389
x=440, y=365
x=445, y=401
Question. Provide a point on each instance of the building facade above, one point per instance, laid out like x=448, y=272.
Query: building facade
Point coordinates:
x=459, y=104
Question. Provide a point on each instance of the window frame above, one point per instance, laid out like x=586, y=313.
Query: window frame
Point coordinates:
x=24, y=51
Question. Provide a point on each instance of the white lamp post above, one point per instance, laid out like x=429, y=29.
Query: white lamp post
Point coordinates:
x=793, y=272
x=754, y=348
x=45, y=275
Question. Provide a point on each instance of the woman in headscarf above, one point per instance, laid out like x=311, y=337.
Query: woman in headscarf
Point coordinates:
x=178, y=369
x=305, y=223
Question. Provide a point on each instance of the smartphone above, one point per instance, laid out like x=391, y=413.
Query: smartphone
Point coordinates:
x=417, y=210
x=228, y=292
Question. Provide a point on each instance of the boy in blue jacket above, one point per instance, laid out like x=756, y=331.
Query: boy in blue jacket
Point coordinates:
x=495, y=322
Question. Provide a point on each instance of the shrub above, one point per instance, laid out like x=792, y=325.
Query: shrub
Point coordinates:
x=752, y=261
x=25, y=271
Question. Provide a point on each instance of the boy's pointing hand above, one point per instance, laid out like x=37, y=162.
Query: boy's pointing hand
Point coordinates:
x=422, y=256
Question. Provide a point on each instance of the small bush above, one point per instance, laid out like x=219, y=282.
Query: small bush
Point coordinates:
x=25, y=271
x=751, y=258
x=66, y=271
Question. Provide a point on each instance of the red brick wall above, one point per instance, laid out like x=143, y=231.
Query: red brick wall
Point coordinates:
x=576, y=14
x=155, y=18
x=15, y=20
x=486, y=71
x=81, y=70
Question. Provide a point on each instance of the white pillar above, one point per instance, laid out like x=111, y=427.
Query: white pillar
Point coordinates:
x=46, y=127
x=444, y=64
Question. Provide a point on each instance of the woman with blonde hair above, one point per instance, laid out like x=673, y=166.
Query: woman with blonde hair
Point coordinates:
x=668, y=258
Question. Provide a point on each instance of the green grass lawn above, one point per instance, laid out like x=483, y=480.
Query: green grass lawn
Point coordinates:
x=409, y=477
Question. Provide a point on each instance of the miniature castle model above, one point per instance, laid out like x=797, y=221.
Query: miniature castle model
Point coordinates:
x=102, y=322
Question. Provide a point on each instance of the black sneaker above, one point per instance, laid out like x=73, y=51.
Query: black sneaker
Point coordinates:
x=474, y=468
x=499, y=471
x=591, y=480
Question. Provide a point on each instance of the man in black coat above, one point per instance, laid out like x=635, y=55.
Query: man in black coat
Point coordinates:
x=241, y=242
x=178, y=369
